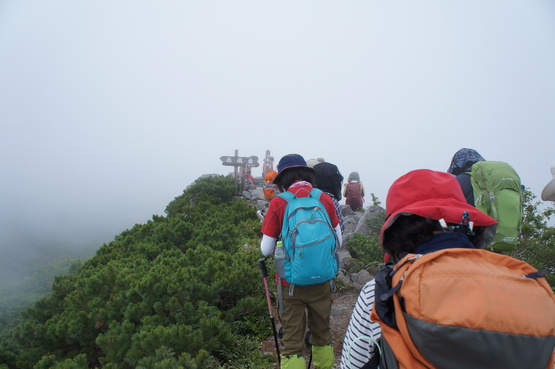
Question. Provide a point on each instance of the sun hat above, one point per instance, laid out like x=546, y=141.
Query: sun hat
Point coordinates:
x=430, y=194
x=270, y=176
x=312, y=162
x=291, y=161
x=354, y=176
x=548, y=193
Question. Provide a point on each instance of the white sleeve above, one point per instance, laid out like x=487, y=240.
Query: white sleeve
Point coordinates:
x=339, y=234
x=358, y=346
x=267, y=245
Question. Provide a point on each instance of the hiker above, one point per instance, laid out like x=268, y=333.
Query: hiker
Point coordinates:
x=362, y=332
x=329, y=179
x=248, y=176
x=495, y=188
x=353, y=191
x=461, y=304
x=548, y=193
x=414, y=204
x=461, y=165
x=269, y=185
x=296, y=178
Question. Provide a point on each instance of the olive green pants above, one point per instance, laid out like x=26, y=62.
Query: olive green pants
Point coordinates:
x=312, y=303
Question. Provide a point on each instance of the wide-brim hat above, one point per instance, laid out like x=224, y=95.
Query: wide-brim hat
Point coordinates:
x=548, y=193
x=291, y=161
x=430, y=194
x=312, y=162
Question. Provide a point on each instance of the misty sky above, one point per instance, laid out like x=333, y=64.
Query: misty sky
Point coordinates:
x=109, y=109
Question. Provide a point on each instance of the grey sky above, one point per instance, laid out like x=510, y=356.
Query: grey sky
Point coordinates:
x=109, y=109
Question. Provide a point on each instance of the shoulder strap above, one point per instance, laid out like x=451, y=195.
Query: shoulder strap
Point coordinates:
x=395, y=335
x=316, y=193
x=287, y=196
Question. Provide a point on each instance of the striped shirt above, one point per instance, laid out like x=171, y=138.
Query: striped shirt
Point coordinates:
x=357, y=347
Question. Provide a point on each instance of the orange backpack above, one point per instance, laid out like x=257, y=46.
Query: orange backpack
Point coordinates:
x=269, y=186
x=464, y=308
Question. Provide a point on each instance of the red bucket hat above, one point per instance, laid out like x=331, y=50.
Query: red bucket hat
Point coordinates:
x=430, y=194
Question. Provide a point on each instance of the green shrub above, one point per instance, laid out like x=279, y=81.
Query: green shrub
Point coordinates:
x=366, y=251
x=182, y=291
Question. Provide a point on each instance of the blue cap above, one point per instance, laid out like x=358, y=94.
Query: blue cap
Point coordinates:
x=291, y=161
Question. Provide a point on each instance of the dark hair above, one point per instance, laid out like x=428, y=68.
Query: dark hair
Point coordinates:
x=409, y=231
x=295, y=174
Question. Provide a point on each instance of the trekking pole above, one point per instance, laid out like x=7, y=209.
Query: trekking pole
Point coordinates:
x=265, y=277
x=309, y=346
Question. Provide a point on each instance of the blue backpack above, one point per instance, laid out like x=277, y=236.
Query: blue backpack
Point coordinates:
x=308, y=255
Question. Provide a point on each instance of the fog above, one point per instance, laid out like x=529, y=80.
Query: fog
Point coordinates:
x=108, y=110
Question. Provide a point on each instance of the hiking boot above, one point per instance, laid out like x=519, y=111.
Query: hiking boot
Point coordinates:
x=322, y=357
x=293, y=362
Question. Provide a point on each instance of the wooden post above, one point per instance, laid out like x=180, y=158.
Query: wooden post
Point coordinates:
x=268, y=164
x=242, y=162
x=235, y=172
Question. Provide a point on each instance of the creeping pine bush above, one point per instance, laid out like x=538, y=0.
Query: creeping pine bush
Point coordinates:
x=366, y=251
x=182, y=291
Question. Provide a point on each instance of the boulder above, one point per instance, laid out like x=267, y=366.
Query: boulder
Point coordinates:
x=371, y=221
x=360, y=278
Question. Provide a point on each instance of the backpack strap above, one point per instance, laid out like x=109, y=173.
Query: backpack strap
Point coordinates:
x=395, y=334
x=495, y=213
x=288, y=196
x=316, y=193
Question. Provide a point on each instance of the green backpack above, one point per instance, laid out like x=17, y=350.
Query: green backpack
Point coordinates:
x=498, y=193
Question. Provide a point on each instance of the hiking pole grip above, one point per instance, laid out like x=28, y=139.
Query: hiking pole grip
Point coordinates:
x=263, y=268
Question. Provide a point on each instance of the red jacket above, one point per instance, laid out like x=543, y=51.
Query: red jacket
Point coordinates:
x=276, y=210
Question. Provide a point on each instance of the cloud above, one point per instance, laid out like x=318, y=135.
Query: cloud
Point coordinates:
x=109, y=110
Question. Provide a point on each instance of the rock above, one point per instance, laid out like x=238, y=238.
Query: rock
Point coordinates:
x=346, y=211
x=351, y=219
x=345, y=259
x=361, y=277
x=258, y=193
x=342, y=276
x=262, y=206
x=371, y=221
